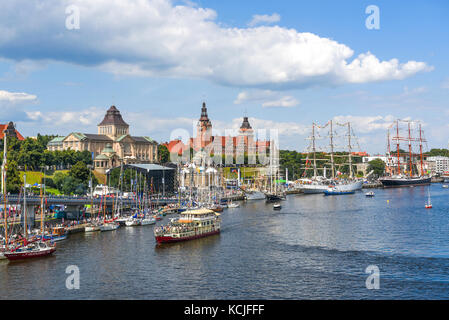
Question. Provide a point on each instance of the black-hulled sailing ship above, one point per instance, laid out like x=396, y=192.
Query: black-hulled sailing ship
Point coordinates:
x=402, y=166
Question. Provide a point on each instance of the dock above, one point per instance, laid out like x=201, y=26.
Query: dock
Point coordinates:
x=77, y=228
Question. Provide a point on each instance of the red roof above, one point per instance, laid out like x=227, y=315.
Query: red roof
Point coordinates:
x=3, y=128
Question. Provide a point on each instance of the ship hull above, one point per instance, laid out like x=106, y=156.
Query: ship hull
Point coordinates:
x=314, y=189
x=28, y=255
x=256, y=195
x=168, y=239
x=397, y=183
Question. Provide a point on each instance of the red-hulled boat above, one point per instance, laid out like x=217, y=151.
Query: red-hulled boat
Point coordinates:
x=192, y=224
x=30, y=250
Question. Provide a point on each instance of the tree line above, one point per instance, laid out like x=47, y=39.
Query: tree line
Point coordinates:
x=32, y=154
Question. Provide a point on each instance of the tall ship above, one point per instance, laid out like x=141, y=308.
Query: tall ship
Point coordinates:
x=405, y=168
x=321, y=183
x=192, y=224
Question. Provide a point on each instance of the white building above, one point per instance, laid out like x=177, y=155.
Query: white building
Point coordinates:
x=438, y=164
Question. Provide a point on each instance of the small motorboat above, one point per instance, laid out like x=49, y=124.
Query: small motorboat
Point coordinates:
x=445, y=186
x=233, y=205
x=277, y=206
x=369, y=194
x=429, y=203
x=109, y=226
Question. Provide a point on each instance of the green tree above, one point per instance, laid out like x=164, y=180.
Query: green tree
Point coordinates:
x=13, y=181
x=80, y=171
x=377, y=166
x=164, y=154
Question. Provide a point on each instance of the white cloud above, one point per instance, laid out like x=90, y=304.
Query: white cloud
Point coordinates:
x=13, y=97
x=78, y=119
x=366, y=124
x=253, y=96
x=284, y=102
x=264, y=19
x=156, y=38
x=267, y=98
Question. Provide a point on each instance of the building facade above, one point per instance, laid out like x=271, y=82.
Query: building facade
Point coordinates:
x=112, y=145
x=438, y=164
x=241, y=144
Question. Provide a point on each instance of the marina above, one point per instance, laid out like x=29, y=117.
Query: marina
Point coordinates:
x=313, y=248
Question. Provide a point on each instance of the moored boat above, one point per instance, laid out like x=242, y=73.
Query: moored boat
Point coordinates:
x=192, y=224
x=254, y=195
x=57, y=234
x=404, y=181
x=109, y=226
x=30, y=250
x=92, y=228
x=233, y=205
x=148, y=221
x=335, y=192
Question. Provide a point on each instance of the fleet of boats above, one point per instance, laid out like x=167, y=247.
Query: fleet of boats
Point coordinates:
x=199, y=215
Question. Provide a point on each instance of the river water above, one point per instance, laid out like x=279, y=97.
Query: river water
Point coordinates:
x=316, y=247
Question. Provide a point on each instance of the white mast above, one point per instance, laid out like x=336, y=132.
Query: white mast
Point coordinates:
x=350, y=150
x=332, y=150
x=25, y=222
x=314, y=150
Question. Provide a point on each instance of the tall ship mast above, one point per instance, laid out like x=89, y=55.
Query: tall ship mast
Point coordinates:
x=404, y=167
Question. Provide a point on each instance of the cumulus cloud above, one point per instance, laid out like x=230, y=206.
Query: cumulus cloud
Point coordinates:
x=264, y=19
x=157, y=38
x=79, y=119
x=14, y=97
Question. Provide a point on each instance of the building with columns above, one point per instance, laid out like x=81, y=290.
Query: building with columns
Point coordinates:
x=112, y=145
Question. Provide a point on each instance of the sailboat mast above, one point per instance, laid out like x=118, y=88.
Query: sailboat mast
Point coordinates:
x=388, y=151
x=350, y=150
x=420, y=149
x=332, y=149
x=42, y=211
x=25, y=223
x=314, y=150
x=410, y=150
x=4, y=190
x=397, y=145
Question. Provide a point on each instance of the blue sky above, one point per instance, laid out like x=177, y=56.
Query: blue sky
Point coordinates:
x=291, y=65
